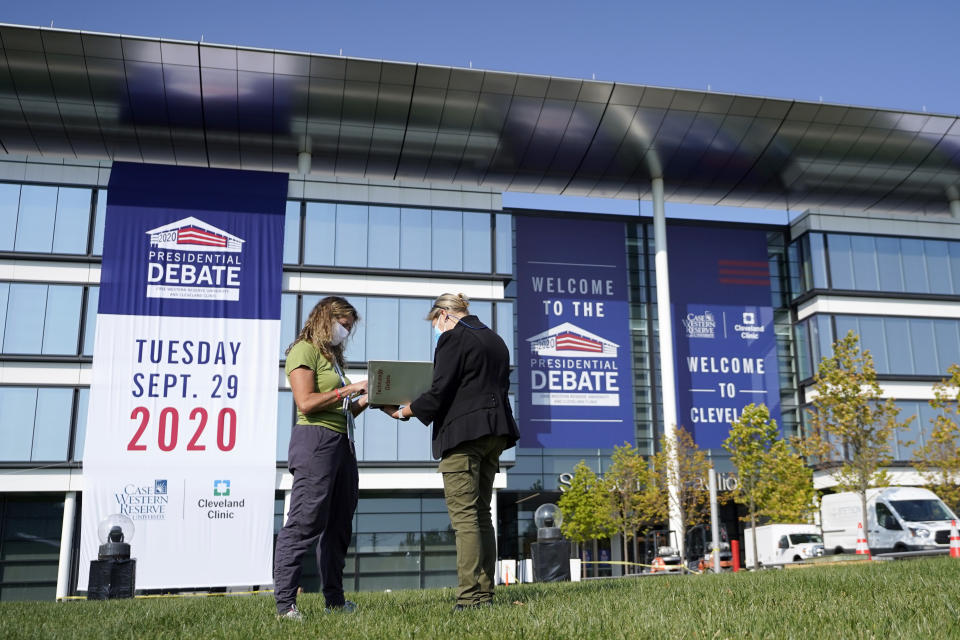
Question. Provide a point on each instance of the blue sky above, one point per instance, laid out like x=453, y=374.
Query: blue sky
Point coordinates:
x=881, y=53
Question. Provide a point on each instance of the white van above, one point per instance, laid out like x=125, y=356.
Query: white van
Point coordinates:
x=783, y=543
x=898, y=519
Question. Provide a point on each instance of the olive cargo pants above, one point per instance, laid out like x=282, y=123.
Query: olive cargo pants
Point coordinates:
x=468, y=471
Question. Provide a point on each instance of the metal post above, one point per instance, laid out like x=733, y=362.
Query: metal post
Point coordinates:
x=66, y=544
x=665, y=326
x=714, y=521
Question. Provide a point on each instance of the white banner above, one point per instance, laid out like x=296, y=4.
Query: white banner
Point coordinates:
x=181, y=427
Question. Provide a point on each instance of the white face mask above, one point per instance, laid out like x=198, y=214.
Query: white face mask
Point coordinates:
x=340, y=334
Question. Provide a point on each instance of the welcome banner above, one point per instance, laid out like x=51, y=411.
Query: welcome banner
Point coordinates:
x=574, y=326
x=726, y=349
x=181, y=427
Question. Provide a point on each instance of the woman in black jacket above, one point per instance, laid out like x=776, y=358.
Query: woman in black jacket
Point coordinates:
x=472, y=425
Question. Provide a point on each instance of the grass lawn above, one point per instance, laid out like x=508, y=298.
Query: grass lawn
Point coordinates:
x=908, y=599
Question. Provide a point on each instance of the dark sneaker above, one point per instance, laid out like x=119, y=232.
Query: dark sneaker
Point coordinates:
x=291, y=614
x=347, y=607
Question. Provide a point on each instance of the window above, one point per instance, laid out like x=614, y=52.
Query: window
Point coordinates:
x=286, y=416
x=899, y=346
x=44, y=319
x=9, y=205
x=876, y=263
x=381, y=237
x=99, y=219
x=447, y=238
x=476, y=242
x=41, y=219
x=885, y=518
x=351, y=235
x=319, y=233
x=72, y=221
x=504, y=233
x=415, y=247
x=30, y=527
x=35, y=219
x=384, y=245
x=35, y=424
x=291, y=233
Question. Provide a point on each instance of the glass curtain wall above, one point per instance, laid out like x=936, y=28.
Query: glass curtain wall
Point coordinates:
x=882, y=264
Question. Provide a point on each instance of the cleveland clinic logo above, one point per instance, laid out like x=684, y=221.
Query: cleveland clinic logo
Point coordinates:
x=702, y=325
x=748, y=328
x=192, y=260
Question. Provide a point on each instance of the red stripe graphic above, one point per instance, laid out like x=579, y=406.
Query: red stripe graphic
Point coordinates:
x=744, y=272
x=573, y=342
x=743, y=263
x=748, y=281
x=192, y=235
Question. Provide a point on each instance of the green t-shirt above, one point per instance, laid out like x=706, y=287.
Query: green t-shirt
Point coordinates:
x=304, y=354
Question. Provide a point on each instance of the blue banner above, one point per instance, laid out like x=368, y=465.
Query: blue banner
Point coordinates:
x=725, y=346
x=188, y=242
x=573, y=321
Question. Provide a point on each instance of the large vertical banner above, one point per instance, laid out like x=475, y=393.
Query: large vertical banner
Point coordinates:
x=574, y=333
x=181, y=428
x=725, y=347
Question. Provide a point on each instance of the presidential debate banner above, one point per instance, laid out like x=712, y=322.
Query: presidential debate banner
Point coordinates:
x=725, y=347
x=181, y=427
x=573, y=320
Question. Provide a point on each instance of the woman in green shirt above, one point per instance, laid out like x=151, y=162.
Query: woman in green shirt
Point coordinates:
x=321, y=457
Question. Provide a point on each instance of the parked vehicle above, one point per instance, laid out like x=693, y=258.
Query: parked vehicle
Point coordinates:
x=783, y=543
x=661, y=552
x=898, y=519
x=698, y=549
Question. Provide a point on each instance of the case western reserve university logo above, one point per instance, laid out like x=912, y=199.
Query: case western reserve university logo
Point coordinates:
x=192, y=260
x=700, y=325
x=143, y=501
x=571, y=366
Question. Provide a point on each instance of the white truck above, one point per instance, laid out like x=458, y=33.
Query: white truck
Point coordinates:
x=898, y=519
x=783, y=543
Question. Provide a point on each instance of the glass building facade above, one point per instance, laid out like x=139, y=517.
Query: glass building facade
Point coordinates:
x=390, y=260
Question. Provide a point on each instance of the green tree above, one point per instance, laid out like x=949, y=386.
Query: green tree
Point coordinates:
x=691, y=498
x=634, y=496
x=585, y=508
x=938, y=460
x=774, y=480
x=786, y=493
x=850, y=422
x=751, y=438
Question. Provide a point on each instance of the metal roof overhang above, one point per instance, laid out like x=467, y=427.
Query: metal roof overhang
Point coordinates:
x=75, y=94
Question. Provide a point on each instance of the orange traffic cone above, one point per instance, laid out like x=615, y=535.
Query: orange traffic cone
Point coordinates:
x=862, y=548
x=954, y=540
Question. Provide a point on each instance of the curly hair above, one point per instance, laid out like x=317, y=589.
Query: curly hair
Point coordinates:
x=318, y=328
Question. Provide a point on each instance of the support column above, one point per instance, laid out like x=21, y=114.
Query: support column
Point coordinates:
x=665, y=326
x=66, y=544
x=954, y=195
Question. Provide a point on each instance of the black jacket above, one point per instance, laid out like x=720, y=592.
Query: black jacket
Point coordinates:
x=468, y=397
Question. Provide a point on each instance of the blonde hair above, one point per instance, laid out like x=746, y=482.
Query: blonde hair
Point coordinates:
x=456, y=304
x=318, y=329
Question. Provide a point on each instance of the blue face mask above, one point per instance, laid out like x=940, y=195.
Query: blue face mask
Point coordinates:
x=436, y=336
